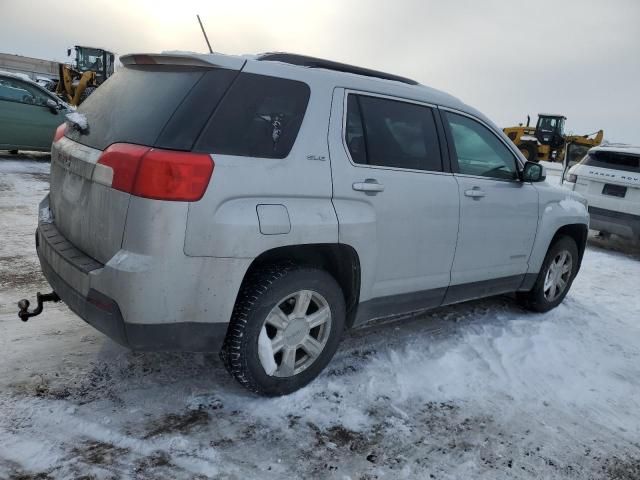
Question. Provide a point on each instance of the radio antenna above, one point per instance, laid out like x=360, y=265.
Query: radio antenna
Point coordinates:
x=205, y=34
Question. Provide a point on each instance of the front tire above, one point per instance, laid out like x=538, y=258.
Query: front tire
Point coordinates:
x=285, y=328
x=558, y=270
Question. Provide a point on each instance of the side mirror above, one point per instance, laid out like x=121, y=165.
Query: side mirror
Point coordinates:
x=53, y=106
x=533, y=172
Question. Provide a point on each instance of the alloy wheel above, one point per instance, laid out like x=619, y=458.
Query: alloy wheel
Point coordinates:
x=294, y=333
x=558, y=275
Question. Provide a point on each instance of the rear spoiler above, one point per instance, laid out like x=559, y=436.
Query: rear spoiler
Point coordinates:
x=190, y=59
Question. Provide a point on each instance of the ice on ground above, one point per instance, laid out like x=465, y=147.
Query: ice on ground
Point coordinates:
x=479, y=390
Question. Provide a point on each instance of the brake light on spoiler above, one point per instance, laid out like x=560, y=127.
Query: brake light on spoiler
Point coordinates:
x=154, y=173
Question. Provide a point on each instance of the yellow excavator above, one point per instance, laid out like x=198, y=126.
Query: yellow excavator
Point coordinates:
x=89, y=69
x=547, y=140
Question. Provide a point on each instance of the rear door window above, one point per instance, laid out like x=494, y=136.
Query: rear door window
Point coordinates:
x=19, y=91
x=392, y=133
x=14, y=91
x=259, y=117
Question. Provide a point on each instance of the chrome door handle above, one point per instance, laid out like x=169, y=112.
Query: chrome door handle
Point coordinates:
x=370, y=186
x=474, y=193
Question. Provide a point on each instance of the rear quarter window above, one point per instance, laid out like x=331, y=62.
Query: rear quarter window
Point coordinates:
x=260, y=116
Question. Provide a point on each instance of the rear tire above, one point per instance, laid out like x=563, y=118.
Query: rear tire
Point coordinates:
x=275, y=344
x=530, y=151
x=558, y=270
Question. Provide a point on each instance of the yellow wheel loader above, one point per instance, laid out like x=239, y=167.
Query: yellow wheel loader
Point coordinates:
x=90, y=68
x=547, y=140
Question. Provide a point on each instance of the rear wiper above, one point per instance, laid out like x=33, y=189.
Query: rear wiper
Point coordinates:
x=78, y=121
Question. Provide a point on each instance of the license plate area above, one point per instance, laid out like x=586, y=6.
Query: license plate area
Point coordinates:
x=614, y=190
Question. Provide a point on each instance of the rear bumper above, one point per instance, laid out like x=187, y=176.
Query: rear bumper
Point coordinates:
x=103, y=314
x=623, y=224
x=71, y=274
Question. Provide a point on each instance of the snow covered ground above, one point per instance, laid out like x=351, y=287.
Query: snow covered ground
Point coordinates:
x=480, y=390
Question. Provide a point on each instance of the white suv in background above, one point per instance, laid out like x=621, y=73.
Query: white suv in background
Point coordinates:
x=609, y=178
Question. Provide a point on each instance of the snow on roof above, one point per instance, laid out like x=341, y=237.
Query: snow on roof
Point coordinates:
x=617, y=148
x=551, y=115
x=21, y=76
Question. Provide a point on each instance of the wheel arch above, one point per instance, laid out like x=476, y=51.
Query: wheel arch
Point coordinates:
x=338, y=259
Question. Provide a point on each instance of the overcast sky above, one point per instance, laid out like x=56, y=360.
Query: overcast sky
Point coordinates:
x=508, y=58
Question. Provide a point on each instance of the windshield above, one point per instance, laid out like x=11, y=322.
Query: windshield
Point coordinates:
x=548, y=124
x=89, y=59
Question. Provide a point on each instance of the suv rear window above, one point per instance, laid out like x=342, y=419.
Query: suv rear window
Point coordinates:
x=138, y=102
x=613, y=160
x=260, y=116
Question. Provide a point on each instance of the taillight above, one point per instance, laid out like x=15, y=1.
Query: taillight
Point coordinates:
x=153, y=173
x=123, y=160
x=60, y=131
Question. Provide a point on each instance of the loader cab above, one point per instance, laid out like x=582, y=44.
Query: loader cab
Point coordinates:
x=550, y=129
x=89, y=59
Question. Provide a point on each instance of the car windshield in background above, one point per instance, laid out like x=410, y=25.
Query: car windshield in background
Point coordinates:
x=20, y=91
x=613, y=160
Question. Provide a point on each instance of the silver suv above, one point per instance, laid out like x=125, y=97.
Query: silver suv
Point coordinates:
x=260, y=206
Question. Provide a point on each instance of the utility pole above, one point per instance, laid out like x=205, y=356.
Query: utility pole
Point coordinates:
x=205, y=34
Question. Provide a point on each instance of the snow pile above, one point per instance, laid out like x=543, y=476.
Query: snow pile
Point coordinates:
x=78, y=119
x=479, y=390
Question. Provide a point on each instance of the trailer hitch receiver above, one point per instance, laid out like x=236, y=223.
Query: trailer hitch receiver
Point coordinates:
x=23, y=305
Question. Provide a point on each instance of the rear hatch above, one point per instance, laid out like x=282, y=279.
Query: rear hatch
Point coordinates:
x=610, y=180
x=164, y=106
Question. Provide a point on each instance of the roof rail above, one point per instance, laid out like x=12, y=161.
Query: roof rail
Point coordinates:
x=313, y=62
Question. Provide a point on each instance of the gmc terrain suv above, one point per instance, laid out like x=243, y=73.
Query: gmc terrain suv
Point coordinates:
x=260, y=206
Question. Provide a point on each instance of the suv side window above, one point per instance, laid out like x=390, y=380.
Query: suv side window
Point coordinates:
x=260, y=116
x=479, y=151
x=392, y=133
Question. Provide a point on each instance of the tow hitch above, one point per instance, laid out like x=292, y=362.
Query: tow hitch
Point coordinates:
x=23, y=305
